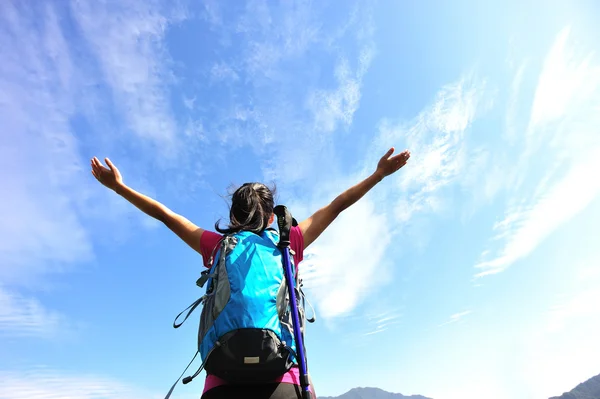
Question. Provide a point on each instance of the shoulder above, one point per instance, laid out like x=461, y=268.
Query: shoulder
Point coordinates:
x=208, y=242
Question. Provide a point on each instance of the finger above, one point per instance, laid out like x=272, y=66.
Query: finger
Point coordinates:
x=388, y=153
x=403, y=155
x=397, y=158
x=399, y=165
x=97, y=163
x=110, y=164
x=97, y=166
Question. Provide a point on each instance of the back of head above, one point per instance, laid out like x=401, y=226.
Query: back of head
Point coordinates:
x=251, y=208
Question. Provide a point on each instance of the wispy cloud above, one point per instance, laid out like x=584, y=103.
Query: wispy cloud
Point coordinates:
x=223, y=72
x=513, y=102
x=189, y=102
x=337, y=107
x=435, y=138
x=45, y=383
x=27, y=317
x=51, y=201
x=363, y=326
x=584, y=304
x=276, y=33
x=335, y=278
x=564, y=83
x=563, y=349
x=40, y=163
x=288, y=102
x=524, y=227
x=560, y=147
x=436, y=141
x=128, y=42
x=456, y=317
x=379, y=323
x=212, y=12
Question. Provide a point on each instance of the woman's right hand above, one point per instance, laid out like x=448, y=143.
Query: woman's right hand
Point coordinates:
x=110, y=177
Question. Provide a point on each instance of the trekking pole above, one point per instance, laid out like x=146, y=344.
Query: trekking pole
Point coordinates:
x=285, y=221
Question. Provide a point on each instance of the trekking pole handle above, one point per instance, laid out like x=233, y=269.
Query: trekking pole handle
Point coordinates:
x=285, y=221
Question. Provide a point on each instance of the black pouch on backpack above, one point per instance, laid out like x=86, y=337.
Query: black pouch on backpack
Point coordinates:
x=249, y=356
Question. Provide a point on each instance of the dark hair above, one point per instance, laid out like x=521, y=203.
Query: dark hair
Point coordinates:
x=251, y=207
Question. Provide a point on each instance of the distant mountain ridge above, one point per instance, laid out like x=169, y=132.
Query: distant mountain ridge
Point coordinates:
x=372, y=393
x=589, y=389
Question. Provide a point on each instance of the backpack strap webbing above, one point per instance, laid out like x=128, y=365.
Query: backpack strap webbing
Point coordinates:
x=175, y=384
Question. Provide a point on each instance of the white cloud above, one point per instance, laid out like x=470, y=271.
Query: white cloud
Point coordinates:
x=40, y=165
x=334, y=107
x=189, y=102
x=523, y=228
x=50, y=193
x=223, y=72
x=283, y=103
x=344, y=266
x=363, y=326
x=128, y=41
x=381, y=322
x=49, y=196
x=583, y=304
x=561, y=147
x=275, y=33
x=195, y=128
x=435, y=138
x=564, y=350
x=565, y=82
x=436, y=141
x=212, y=12
x=26, y=317
x=45, y=383
x=456, y=317
x=513, y=102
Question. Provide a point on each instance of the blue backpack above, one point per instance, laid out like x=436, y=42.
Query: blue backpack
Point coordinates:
x=246, y=331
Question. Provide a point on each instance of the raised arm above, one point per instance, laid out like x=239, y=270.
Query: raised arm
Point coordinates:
x=111, y=178
x=313, y=226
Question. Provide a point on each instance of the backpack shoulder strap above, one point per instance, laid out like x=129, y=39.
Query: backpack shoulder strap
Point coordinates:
x=271, y=234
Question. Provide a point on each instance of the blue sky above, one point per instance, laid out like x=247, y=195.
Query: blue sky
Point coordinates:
x=473, y=272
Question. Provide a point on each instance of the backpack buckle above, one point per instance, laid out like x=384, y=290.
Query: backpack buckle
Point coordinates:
x=205, y=275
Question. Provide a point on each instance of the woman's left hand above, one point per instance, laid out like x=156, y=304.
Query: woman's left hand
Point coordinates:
x=387, y=165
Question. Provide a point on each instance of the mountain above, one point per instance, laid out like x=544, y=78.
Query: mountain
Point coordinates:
x=373, y=393
x=586, y=390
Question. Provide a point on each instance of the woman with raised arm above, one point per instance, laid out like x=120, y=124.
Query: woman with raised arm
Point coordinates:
x=251, y=210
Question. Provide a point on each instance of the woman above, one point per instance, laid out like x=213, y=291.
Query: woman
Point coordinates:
x=251, y=210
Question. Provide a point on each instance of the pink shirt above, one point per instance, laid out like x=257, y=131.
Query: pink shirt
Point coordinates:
x=208, y=241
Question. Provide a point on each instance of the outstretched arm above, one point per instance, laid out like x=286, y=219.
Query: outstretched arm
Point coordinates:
x=317, y=223
x=111, y=178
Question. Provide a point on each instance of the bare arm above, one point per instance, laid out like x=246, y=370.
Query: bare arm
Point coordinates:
x=316, y=224
x=111, y=178
x=186, y=230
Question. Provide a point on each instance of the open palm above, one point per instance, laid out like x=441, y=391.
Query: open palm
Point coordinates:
x=110, y=177
x=388, y=164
